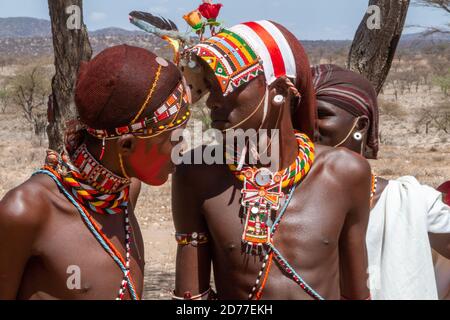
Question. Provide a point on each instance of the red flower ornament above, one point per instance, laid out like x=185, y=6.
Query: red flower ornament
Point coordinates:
x=210, y=11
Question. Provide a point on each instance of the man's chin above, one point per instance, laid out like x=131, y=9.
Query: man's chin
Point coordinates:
x=160, y=179
x=157, y=182
x=220, y=125
x=161, y=176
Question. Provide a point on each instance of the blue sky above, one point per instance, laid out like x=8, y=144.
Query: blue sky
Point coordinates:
x=308, y=19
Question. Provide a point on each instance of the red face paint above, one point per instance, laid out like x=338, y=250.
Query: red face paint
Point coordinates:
x=151, y=166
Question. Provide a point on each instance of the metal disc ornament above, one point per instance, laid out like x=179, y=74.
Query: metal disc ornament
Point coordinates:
x=263, y=177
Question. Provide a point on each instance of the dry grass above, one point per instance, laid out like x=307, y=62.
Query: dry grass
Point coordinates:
x=406, y=149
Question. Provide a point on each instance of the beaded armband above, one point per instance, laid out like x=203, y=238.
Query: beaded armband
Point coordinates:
x=209, y=294
x=367, y=299
x=194, y=239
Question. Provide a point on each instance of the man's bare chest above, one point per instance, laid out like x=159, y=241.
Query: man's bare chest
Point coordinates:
x=309, y=227
x=70, y=257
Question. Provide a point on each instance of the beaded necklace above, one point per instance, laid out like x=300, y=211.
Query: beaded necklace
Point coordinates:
x=95, y=174
x=90, y=183
x=127, y=273
x=263, y=191
x=100, y=236
x=273, y=253
x=261, y=195
x=65, y=175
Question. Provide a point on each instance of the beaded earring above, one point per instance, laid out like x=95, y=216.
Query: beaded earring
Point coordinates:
x=102, y=154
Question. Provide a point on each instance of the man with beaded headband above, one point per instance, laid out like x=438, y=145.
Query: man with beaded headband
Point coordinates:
x=69, y=232
x=401, y=210
x=293, y=234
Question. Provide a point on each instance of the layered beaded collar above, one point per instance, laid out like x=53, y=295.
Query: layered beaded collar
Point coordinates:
x=97, y=175
x=262, y=193
x=90, y=183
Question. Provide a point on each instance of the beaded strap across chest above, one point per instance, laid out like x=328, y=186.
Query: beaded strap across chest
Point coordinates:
x=123, y=264
x=283, y=264
x=97, y=189
x=261, y=195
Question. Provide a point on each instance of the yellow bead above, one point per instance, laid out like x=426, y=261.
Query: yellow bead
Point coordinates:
x=161, y=127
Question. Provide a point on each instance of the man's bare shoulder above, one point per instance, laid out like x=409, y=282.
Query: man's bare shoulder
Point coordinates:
x=343, y=164
x=28, y=204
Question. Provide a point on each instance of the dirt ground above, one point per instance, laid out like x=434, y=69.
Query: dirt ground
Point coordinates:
x=404, y=152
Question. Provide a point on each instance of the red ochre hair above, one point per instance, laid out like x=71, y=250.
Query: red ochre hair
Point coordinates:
x=112, y=87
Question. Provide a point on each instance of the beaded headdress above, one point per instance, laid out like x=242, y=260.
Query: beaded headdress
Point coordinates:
x=241, y=53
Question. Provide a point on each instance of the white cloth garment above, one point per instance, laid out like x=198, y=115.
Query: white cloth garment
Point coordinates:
x=399, y=251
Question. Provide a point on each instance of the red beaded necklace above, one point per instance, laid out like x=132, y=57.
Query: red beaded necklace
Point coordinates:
x=263, y=191
x=97, y=188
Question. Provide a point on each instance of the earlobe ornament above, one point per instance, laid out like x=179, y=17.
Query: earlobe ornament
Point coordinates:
x=278, y=99
x=357, y=136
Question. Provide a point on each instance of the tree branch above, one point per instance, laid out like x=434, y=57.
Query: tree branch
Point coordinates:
x=373, y=49
x=440, y=4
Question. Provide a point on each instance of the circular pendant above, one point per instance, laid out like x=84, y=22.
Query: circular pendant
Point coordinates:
x=263, y=177
x=255, y=210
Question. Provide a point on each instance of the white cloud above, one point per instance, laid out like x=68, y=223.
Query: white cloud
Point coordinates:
x=158, y=9
x=97, y=16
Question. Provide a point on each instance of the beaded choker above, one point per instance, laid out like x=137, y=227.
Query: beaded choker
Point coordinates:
x=97, y=175
x=108, y=246
x=85, y=183
x=263, y=191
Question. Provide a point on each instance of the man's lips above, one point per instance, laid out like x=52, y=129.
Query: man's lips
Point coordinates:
x=219, y=124
x=218, y=119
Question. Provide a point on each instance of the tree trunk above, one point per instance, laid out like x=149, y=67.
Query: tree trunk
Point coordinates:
x=373, y=50
x=71, y=46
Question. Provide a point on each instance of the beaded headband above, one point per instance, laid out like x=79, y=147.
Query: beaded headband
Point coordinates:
x=177, y=101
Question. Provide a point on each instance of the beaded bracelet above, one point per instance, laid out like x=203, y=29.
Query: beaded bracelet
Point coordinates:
x=367, y=299
x=194, y=239
x=210, y=294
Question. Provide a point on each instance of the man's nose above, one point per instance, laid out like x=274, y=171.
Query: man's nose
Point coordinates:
x=213, y=102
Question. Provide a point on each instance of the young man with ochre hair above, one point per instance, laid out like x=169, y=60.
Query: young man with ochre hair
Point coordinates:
x=70, y=232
